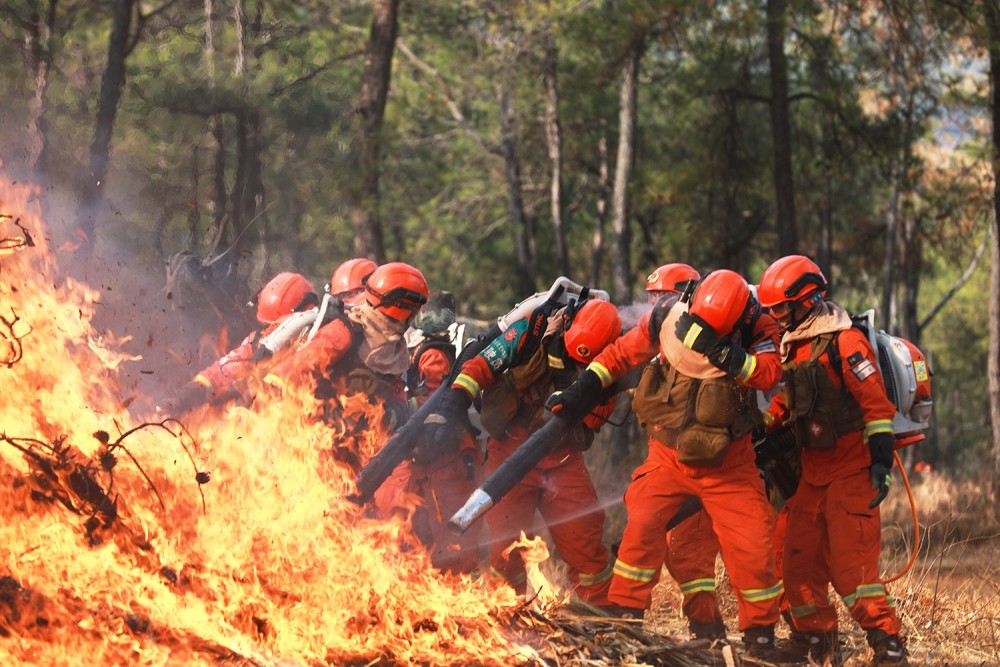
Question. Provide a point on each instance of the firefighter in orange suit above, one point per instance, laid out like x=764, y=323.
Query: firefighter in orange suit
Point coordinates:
x=691, y=546
x=283, y=295
x=516, y=373
x=698, y=404
x=444, y=480
x=835, y=397
x=363, y=349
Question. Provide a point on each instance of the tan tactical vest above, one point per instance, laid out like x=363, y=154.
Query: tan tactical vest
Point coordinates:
x=820, y=411
x=698, y=416
x=518, y=396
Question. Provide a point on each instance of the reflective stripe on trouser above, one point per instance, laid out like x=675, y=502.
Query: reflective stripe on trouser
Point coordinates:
x=835, y=520
x=691, y=551
x=742, y=519
x=560, y=489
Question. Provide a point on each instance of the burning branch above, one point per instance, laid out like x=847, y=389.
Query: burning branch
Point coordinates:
x=108, y=458
x=11, y=244
x=15, y=350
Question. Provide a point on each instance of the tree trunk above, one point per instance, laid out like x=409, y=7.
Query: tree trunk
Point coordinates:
x=621, y=272
x=993, y=364
x=524, y=242
x=367, y=149
x=553, y=141
x=889, y=257
x=603, y=187
x=112, y=84
x=781, y=132
x=38, y=60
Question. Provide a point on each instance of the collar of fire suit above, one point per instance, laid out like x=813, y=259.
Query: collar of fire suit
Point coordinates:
x=826, y=317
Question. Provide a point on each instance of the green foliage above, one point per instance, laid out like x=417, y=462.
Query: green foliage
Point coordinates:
x=871, y=95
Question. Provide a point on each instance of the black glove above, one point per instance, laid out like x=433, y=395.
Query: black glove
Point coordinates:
x=571, y=402
x=881, y=447
x=443, y=428
x=698, y=335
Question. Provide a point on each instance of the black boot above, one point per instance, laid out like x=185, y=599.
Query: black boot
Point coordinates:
x=707, y=629
x=888, y=649
x=619, y=611
x=819, y=647
x=759, y=643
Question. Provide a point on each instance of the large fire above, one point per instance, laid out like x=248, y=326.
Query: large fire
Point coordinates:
x=133, y=539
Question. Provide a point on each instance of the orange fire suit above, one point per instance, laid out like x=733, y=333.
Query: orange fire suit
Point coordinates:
x=220, y=376
x=832, y=536
x=331, y=364
x=731, y=492
x=443, y=484
x=559, y=488
x=691, y=551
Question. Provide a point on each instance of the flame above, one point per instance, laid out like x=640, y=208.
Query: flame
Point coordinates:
x=534, y=552
x=126, y=541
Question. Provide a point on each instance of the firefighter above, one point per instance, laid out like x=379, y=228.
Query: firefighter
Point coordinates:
x=348, y=280
x=445, y=480
x=363, y=349
x=835, y=399
x=698, y=404
x=691, y=546
x=283, y=295
x=516, y=373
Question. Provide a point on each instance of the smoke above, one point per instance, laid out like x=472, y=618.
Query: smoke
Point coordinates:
x=632, y=313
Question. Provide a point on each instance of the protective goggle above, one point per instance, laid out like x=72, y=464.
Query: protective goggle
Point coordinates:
x=400, y=297
x=805, y=279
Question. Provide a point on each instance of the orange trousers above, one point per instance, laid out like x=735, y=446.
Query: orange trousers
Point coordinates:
x=742, y=519
x=442, y=489
x=559, y=488
x=691, y=551
x=832, y=537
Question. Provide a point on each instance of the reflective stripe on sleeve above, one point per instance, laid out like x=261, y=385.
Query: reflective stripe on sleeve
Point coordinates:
x=602, y=373
x=467, y=383
x=878, y=426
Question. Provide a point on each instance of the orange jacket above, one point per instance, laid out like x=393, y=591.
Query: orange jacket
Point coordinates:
x=331, y=344
x=864, y=382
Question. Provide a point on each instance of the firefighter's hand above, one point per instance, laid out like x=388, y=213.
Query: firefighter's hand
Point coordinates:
x=570, y=402
x=697, y=334
x=443, y=428
x=880, y=445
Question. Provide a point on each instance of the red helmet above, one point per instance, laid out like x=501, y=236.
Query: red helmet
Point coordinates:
x=723, y=300
x=284, y=294
x=349, y=276
x=673, y=278
x=595, y=325
x=792, y=278
x=397, y=289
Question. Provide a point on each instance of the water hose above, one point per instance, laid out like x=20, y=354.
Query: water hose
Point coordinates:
x=916, y=523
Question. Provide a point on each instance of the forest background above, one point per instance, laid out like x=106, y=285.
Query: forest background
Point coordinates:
x=187, y=151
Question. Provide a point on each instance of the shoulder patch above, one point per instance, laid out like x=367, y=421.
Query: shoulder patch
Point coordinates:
x=510, y=334
x=863, y=370
x=764, y=346
x=855, y=359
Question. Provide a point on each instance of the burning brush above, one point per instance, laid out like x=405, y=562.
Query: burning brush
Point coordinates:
x=120, y=549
